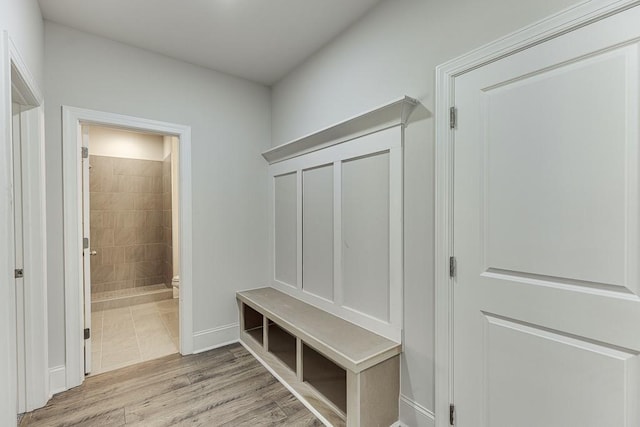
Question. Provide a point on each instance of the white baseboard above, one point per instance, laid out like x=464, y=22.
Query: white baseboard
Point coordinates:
x=215, y=337
x=412, y=414
x=57, y=379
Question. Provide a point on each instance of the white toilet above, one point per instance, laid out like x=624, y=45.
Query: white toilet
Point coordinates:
x=175, y=283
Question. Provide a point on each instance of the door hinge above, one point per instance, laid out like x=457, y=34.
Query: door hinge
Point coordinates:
x=452, y=414
x=18, y=273
x=85, y=243
x=87, y=333
x=453, y=117
x=453, y=266
x=85, y=152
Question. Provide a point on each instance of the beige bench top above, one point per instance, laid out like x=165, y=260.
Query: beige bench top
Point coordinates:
x=349, y=345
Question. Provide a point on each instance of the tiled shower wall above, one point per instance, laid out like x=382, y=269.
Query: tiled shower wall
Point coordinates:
x=166, y=219
x=126, y=221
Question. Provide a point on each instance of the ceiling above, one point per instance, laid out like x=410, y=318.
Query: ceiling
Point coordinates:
x=260, y=40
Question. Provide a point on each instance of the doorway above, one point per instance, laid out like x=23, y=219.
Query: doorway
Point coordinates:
x=77, y=139
x=539, y=211
x=22, y=215
x=131, y=261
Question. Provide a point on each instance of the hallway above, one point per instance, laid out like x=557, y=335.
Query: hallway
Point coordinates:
x=222, y=387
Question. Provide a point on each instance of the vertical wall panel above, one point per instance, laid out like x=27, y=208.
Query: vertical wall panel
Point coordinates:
x=365, y=235
x=317, y=223
x=286, y=234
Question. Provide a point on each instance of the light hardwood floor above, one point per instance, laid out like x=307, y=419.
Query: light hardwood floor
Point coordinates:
x=222, y=387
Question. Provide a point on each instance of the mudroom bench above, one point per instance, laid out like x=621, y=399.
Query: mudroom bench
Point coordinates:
x=345, y=374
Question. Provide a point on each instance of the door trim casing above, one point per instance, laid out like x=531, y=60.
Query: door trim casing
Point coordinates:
x=72, y=119
x=555, y=25
x=15, y=76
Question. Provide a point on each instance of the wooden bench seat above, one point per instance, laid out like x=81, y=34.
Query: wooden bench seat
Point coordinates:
x=345, y=374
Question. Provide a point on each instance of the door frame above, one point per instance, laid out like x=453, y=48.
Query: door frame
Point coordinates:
x=553, y=26
x=72, y=120
x=15, y=77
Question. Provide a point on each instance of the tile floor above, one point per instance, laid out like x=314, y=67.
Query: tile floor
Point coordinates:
x=129, y=335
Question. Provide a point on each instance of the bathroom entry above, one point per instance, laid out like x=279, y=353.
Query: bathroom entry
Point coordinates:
x=131, y=277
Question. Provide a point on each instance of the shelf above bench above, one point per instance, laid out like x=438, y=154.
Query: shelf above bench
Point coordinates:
x=394, y=113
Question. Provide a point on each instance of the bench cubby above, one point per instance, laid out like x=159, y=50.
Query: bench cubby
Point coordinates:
x=347, y=375
x=282, y=345
x=326, y=377
x=253, y=323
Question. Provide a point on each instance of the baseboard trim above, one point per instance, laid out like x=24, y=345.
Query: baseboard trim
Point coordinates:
x=414, y=414
x=210, y=339
x=57, y=380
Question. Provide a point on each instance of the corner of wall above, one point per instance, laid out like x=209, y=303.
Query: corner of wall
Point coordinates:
x=412, y=414
x=213, y=338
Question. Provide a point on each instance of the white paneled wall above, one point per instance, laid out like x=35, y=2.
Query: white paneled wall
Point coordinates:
x=286, y=232
x=317, y=231
x=337, y=229
x=365, y=235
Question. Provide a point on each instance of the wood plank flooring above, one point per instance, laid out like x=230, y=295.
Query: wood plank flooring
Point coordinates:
x=222, y=387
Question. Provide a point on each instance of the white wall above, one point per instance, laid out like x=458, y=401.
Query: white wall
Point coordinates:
x=23, y=21
x=230, y=123
x=393, y=51
x=110, y=142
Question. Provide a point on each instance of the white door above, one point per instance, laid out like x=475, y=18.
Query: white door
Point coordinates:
x=16, y=129
x=87, y=252
x=546, y=194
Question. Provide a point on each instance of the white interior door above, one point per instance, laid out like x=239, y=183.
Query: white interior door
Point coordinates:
x=16, y=129
x=546, y=298
x=86, y=253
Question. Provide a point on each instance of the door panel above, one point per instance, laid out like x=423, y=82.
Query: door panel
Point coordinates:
x=546, y=306
x=588, y=379
x=555, y=172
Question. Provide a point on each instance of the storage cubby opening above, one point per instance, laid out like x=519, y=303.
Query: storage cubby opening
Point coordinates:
x=253, y=323
x=282, y=345
x=325, y=376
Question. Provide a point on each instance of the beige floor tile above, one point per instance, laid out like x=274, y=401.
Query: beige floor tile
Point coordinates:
x=118, y=344
x=171, y=322
x=96, y=342
x=155, y=339
x=119, y=359
x=117, y=324
x=168, y=305
x=96, y=358
x=121, y=327
x=159, y=335
x=117, y=312
x=176, y=342
x=150, y=320
x=121, y=356
x=154, y=349
x=149, y=307
x=125, y=336
x=137, y=315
